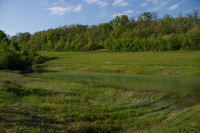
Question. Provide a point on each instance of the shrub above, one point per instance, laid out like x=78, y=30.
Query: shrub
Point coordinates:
x=194, y=41
x=185, y=45
x=173, y=43
x=14, y=61
x=38, y=59
x=161, y=44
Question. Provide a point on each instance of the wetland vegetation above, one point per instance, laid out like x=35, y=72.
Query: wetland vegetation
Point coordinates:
x=121, y=92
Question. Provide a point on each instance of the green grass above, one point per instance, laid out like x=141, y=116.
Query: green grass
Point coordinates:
x=99, y=92
x=165, y=63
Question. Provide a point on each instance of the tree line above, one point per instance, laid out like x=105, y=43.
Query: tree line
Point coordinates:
x=146, y=33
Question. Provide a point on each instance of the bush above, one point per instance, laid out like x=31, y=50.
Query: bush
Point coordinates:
x=161, y=44
x=194, y=41
x=38, y=59
x=173, y=43
x=185, y=45
x=8, y=60
x=14, y=61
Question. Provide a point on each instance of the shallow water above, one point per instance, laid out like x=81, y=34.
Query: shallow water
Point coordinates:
x=143, y=82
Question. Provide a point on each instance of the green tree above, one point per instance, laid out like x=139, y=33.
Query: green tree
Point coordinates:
x=3, y=36
x=194, y=41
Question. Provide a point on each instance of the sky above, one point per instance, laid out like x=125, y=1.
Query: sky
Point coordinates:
x=37, y=15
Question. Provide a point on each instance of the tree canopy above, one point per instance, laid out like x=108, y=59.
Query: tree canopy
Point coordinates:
x=146, y=33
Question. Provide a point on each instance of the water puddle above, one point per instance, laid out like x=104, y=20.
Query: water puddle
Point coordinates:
x=176, y=107
x=192, y=98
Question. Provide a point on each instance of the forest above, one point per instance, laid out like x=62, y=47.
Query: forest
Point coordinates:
x=126, y=34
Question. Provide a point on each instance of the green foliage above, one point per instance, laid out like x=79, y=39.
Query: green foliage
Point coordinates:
x=14, y=61
x=3, y=45
x=60, y=46
x=119, y=25
x=172, y=42
x=3, y=36
x=38, y=59
x=15, y=56
x=148, y=33
x=23, y=37
x=161, y=44
x=194, y=41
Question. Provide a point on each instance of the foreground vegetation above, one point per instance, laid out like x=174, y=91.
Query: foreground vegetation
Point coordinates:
x=104, y=92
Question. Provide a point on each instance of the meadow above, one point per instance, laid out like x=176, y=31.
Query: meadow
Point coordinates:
x=99, y=91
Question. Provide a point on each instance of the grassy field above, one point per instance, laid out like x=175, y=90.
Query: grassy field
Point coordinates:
x=156, y=92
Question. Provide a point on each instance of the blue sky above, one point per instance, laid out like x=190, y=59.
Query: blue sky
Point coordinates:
x=36, y=15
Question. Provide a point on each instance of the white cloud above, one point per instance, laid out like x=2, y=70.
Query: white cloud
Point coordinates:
x=197, y=8
x=119, y=14
x=173, y=7
x=101, y=3
x=160, y=6
x=60, y=7
x=57, y=10
x=59, y=2
x=149, y=2
x=128, y=13
x=78, y=8
x=154, y=1
x=98, y=2
x=120, y=3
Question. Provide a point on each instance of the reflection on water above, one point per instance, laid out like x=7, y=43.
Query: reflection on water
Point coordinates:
x=187, y=86
x=142, y=82
x=159, y=82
